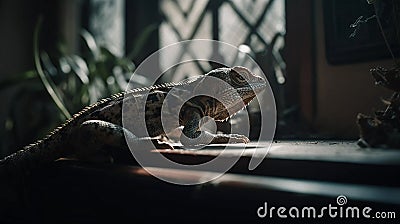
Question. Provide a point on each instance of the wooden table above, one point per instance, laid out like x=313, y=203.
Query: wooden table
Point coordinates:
x=293, y=174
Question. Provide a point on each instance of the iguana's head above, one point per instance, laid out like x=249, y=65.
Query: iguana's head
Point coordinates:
x=233, y=89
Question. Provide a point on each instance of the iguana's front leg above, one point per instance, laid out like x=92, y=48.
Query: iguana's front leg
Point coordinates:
x=192, y=135
x=101, y=141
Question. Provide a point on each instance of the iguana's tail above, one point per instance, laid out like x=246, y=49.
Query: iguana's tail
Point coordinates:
x=23, y=162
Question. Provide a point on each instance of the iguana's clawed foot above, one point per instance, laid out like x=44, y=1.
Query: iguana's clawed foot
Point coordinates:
x=192, y=136
x=159, y=144
x=208, y=138
x=236, y=138
x=229, y=138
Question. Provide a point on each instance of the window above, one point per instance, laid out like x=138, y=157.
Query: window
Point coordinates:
x=256, y=26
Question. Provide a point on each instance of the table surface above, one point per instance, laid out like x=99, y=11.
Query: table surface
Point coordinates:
x=294, y=172
x=330, y=151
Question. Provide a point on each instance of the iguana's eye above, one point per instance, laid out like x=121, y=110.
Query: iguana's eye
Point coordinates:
x=237, y=78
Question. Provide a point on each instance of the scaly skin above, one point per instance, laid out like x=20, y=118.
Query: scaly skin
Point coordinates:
x=100, y=124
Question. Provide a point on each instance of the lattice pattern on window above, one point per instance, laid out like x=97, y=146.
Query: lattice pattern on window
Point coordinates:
x=252, y=23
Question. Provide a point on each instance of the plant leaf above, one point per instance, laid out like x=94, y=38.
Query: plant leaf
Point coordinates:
x=42, y=75
x=91, y=43
x=79, y=67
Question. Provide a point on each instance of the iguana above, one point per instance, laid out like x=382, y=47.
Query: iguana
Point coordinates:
x=100, y=124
